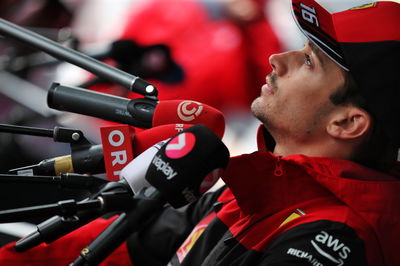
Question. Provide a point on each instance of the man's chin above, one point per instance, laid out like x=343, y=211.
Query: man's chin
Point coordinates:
x=257, y=109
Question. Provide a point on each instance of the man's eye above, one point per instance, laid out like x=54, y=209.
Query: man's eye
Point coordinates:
x=307, y=60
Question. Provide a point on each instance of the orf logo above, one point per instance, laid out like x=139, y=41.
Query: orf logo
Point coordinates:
x=117, y=149
x=189, y=110
x=181, y=145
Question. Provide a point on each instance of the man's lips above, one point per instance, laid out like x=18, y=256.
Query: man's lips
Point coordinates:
x=267, y=88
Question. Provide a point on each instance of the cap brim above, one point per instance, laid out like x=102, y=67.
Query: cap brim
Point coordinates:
x=316, y=23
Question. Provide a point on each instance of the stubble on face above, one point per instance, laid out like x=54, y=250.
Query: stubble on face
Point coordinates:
x=321, y=112
x=266, y=111
x=259, y=107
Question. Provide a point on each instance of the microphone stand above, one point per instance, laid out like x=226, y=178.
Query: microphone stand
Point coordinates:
x=88, y=63
x=59, y=134
x=78, y=142
x=104, y=202
x=68, y=180
x=58, y=226
x=65, y=208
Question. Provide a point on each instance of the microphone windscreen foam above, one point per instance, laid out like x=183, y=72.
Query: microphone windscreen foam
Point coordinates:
x=189, y=112
x=178, y=170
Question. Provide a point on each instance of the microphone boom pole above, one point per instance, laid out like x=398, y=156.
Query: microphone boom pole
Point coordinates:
x=88, y=63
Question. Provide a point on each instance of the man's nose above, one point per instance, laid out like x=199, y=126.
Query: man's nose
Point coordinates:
x=280, y=63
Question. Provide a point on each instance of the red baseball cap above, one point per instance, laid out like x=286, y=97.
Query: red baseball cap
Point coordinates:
x=364, y=40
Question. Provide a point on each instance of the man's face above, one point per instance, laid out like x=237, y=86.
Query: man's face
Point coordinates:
x=294, y=102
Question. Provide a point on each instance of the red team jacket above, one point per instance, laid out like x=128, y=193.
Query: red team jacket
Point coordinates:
x=298, y=210
x=293, y=210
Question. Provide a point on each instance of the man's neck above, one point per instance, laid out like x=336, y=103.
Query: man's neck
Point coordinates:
x=316, y=148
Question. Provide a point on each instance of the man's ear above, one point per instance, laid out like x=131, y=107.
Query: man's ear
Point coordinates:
x=348, y=123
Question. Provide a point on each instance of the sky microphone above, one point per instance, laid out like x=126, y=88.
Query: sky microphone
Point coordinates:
x=142, y=112
x=186, y=160
x=179, y=168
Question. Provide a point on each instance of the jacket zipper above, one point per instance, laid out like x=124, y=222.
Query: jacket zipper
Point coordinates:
x=278, y=167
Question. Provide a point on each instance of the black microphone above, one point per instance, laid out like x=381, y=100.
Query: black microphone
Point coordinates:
x=176, y=175
x=136, y=112
x=83, y=159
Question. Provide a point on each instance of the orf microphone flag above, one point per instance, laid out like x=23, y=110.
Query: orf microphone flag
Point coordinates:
x=117, y=149
x=121, y=146
x=90, y=158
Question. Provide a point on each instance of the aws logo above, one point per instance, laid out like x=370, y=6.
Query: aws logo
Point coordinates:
x=189, y=110
x=324, y=241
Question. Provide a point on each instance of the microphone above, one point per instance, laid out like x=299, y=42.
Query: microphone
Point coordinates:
x=143, y=112
x=179, y=168
x=90, y=158
x=199, y=143
x=86, y=159
x=136, y=112
x=176, y=175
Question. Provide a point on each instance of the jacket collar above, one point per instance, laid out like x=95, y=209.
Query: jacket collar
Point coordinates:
x=263, y=183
